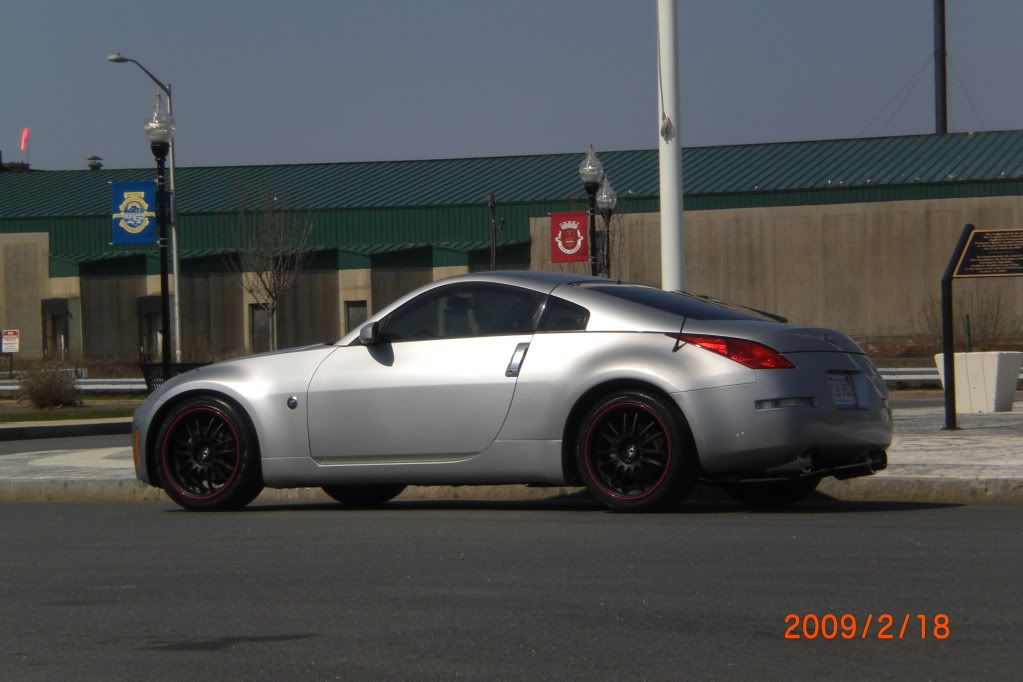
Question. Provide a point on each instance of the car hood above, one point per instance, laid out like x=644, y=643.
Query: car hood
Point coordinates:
x=269, y=366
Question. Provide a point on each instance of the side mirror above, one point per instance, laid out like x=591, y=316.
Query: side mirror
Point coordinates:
x=370, y=334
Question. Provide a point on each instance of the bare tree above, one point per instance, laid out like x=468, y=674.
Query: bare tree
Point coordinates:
x=273, y=246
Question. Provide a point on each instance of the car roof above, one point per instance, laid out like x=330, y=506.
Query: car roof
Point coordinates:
x=528, y=278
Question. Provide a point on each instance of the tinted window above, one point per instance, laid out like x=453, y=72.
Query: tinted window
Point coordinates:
x=561, y=316
x=678, y=303
x=462, y=310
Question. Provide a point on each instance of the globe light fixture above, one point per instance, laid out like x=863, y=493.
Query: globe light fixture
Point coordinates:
x=590, y=172
x=591, y=169
x=160, y=128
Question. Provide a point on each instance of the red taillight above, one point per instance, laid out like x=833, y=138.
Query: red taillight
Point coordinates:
x=747, y=353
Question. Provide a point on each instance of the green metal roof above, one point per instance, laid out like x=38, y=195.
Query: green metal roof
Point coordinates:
x=739, y=175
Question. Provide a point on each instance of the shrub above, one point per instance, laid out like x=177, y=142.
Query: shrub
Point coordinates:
x=49, y=387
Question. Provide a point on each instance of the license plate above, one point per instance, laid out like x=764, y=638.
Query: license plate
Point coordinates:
x=842, y=391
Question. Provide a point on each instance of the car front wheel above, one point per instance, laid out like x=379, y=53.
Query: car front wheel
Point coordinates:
x=633, y=452
x=208, y=455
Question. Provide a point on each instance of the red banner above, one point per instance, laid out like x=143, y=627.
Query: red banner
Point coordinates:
x=570, y=240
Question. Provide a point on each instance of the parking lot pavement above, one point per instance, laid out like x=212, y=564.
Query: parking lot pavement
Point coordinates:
x=980, y=462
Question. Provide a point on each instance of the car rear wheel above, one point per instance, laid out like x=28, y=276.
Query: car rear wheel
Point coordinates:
x=634, y=453
x=772, y=493
x=208, y=455
x=364, y=495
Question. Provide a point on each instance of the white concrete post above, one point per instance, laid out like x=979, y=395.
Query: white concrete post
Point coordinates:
x=673, y=260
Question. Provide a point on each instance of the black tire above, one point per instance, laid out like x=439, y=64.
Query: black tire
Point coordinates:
x=634, y=452
x=772, y=493
x=207, y=454
x=364, y=495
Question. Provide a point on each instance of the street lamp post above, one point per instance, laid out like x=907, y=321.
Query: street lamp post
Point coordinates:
x=118, y=58
x=160, y=131
x=606, y=201
x=590, y=171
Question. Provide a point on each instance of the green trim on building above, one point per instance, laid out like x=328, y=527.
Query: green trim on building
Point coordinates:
x=362, y=210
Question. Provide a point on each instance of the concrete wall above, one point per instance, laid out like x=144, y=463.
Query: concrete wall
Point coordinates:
x=355, y=285
x=23, y=278
x=211, y=316
x=394, y=275
x=871, y=270
x=309, y=311
x=110, y=322
x=440, y=272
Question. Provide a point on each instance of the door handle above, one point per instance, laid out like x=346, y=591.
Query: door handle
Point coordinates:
x=516, y=360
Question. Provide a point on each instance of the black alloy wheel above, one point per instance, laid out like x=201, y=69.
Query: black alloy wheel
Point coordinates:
x=364, y=495
x=634, y=452
x=772, y=493
x=208, y=455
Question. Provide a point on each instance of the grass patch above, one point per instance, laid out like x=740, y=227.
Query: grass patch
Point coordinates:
x=12, y=411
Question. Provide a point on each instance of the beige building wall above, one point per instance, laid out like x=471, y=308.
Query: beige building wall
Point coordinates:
x=24, y=276
x=442, y=271
x=356, y=285
x=872, y=270
x=64, y=287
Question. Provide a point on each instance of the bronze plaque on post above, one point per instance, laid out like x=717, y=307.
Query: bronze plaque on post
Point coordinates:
x=992, y=253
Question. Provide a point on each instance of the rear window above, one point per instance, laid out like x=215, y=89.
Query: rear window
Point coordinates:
x=678, y=303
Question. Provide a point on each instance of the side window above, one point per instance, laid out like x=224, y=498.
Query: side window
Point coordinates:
x=463, y=310
x=561, y=316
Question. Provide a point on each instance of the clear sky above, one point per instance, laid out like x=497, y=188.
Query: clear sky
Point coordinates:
x=260, y=82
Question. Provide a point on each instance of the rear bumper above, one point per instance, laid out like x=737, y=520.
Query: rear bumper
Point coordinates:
x=787, y=423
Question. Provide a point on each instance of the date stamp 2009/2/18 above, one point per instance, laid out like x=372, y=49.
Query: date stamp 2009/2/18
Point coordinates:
x=881, y=626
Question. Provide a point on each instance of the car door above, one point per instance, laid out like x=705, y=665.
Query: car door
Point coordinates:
x=438, y=384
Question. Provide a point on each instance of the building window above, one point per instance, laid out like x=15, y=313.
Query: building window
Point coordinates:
x=260, y=328
x=56, y=328
x=356, y=313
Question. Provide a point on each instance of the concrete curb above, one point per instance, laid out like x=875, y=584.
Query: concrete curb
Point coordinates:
x=923, y=489
x=130, y=490
x=867, y=489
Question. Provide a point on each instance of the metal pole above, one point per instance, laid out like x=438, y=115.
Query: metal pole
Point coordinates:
x=591, y=191
x=940, y=67
x=161, y=203
x=673, y=260
x=607, y=241
x=947, y=331
x=492, y=205
x=174, y=242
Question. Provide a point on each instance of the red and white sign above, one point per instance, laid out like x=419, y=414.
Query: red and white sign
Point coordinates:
x=11, y=340
x=569, y=237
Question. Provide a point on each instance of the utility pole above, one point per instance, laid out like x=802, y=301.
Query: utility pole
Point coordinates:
x=673, y=258
x=940, y=68
x=492, y=205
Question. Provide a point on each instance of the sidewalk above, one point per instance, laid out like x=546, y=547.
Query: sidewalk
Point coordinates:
x=980, y=462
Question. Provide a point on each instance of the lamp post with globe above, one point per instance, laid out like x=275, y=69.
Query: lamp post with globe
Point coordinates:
x=160, y=131
x=118, y=58
x=590, y=171
x=606, y=201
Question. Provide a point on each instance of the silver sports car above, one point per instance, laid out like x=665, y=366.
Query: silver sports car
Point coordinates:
x=533, y=378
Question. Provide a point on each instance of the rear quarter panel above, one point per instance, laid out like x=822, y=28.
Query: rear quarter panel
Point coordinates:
x=562, y=367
